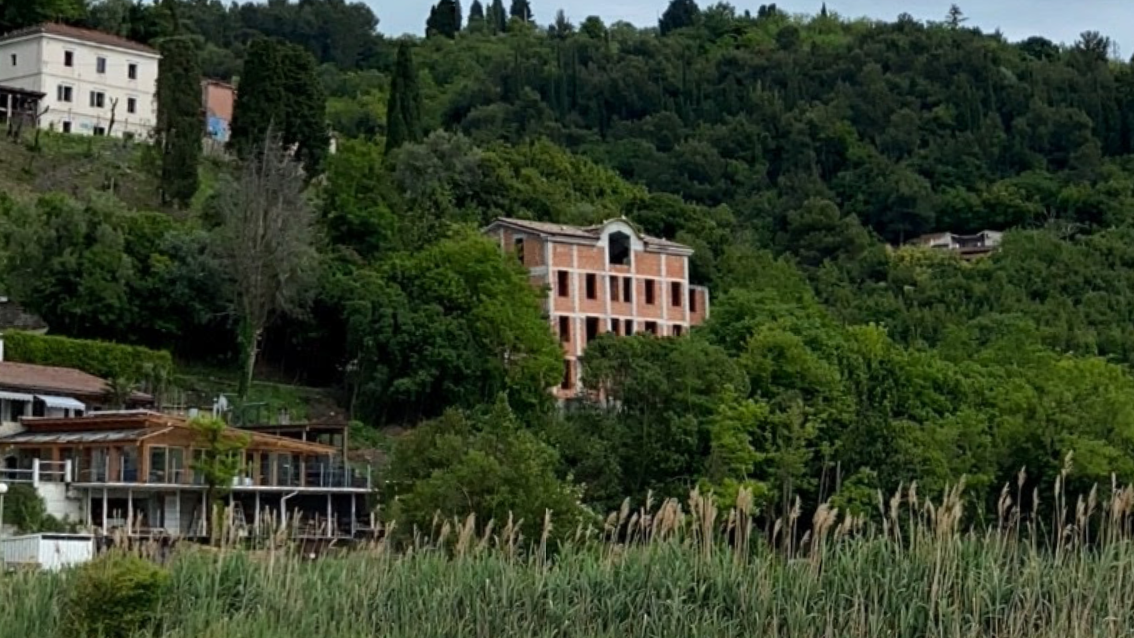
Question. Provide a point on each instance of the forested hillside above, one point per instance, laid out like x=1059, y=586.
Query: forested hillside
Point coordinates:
x=796, y=154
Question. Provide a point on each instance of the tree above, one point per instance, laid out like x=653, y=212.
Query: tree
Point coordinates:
x=444, y=19
x=218, y=463
x=955, y=18
x=679, y=15
x=453, y=324
x=403, y=111
x=476, y=15
x=484, y=463
x=180, y=126
x=265, y=241
x=281, y=91
x=18, y=14
x=521, y=10
x=497, y=17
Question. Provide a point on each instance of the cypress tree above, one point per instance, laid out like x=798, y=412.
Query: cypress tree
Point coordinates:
x=497, y=19
x=678, y=15
x=444, y=19
x=281, y=89
x=403, y=111
x=180, y=125
x=521, y=9
x=476, y=14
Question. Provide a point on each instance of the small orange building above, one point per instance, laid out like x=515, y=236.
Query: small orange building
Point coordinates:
x=218, y=99
x=604, y=278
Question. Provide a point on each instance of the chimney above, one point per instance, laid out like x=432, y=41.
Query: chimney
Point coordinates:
x=1, y=346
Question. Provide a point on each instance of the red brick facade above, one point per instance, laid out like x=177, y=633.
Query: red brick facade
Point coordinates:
x=607, y=278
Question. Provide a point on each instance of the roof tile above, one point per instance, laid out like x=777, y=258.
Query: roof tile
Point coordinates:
x=78, y=33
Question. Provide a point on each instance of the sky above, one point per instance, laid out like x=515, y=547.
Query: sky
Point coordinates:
x=1056, y=20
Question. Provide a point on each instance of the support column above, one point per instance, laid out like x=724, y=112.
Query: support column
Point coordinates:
x=330, y=531
x=129, y=511
x=353, y=517
x=177, y=506
x=256, y=516
x=105, y=505
x=205, y=513
x=90, y=506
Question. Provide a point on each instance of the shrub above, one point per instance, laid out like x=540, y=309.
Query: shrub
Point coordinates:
x=26, y=511
x=100, y=358
x=114, y=596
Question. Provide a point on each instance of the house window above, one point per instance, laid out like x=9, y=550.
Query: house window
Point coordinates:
x=518, y=247
x=98, y=99
x=568, y=374
x=132, y=71
x=677, y=331
x=629, y=328
x=675, y=294
x=649, y=292
x=66, y=127
x=592, y=287
x=563, y=286
x=692, y=300
x=652, y=327
x=99, y=131
x=616, y=326
x=14, y=59
x=564, y=329
x=592, y=329
x=100, y=65
x=69, y=58
x=159, y=459
x=131, y=105
x=128, y=136
x=64, y=93
x=628, y=290
x=614, y=288
x=618, y=249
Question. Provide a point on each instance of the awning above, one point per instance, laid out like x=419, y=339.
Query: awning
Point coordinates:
x=61, y=403
x=15, y=396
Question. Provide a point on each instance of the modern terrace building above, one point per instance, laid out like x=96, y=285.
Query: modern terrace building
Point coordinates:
x=85, y=79
x=604, y=278
x=133, y=471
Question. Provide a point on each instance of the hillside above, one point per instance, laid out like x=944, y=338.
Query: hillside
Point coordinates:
x=797, y=155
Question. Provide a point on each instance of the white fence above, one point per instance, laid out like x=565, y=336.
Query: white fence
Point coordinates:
x=46, y=551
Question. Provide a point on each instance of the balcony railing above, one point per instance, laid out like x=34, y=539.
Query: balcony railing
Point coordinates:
x=312, y=475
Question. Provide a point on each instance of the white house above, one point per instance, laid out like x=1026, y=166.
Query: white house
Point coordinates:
x=88, y=78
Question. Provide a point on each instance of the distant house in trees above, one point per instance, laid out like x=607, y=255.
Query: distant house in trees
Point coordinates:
x=13, y=316
x=92, y=83
x=969, y=246
x=604, y=278
x=218, y=99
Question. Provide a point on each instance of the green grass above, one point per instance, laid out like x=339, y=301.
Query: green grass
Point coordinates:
x=664, y=573
x=200, y=385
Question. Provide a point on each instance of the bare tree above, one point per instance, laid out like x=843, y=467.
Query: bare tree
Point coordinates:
x=266, y=241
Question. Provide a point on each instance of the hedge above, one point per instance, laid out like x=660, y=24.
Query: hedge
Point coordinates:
x=100, y=358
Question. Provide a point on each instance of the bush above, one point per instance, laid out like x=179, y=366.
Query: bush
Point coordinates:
x=114, y=596
x=26, y=511
x=100, y=358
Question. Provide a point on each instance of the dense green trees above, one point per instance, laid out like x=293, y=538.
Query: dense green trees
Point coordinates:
x=281, y=92
x=794, y=154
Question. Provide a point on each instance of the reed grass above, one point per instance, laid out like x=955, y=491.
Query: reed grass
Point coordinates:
x=677, y=569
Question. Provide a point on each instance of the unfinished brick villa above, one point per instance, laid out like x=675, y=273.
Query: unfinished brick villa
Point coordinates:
x=604, y=278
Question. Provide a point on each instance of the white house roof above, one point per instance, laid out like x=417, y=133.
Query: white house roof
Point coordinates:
x=84, y=35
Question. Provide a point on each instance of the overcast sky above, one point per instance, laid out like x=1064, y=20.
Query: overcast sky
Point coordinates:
x=1058, y=20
